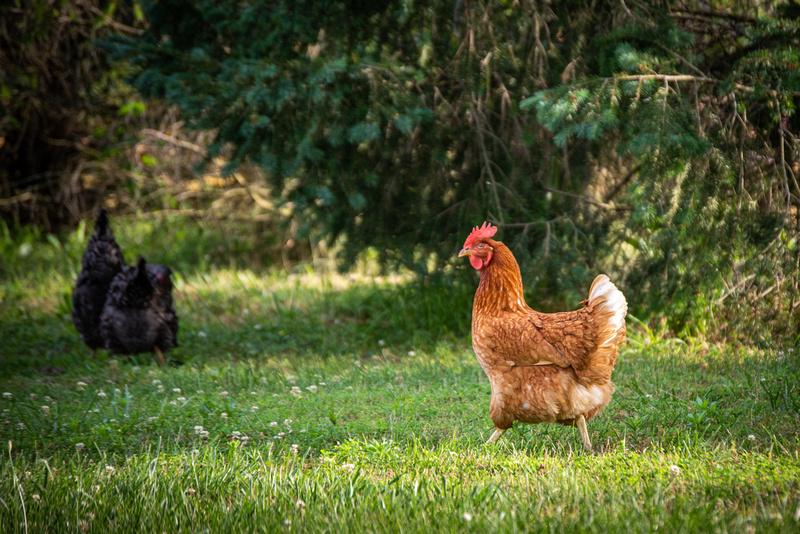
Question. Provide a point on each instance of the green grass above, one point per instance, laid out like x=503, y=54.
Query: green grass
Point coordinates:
x=345, y=403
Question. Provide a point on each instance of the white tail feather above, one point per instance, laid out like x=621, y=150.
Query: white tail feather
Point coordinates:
x=613, y=301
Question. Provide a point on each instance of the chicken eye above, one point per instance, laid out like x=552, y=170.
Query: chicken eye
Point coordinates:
x=481, y=245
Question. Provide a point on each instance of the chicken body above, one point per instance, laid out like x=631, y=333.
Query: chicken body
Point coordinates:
x=139, y=314
x=102, y=261
x=543, y=367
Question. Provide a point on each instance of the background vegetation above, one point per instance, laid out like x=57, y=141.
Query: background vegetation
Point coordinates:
x=630, y=137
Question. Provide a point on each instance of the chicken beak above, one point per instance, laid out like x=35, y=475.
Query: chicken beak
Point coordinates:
x=464, y=252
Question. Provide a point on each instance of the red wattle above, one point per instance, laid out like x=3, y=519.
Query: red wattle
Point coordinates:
x=476, y=263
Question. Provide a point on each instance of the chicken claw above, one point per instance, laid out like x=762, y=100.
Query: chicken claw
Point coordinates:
x=495, y=436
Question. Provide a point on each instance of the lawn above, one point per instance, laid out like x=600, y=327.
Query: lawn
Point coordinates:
x=315, y=401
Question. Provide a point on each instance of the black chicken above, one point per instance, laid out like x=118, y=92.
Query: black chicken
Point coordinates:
x=102, y=261
x=139, y=315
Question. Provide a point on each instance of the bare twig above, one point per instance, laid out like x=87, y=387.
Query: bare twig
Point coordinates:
x=622, y=183
x=161, y=136
x=120, y=27
x=587, y=200
x=666, y=78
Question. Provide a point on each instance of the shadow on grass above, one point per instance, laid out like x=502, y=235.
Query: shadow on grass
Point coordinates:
x=247, y=320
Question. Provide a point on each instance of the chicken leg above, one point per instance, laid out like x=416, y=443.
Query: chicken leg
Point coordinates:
x=581, y=424
x=495, y=436
x=159, y=357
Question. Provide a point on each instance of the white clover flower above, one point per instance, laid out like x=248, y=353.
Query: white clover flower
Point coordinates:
x=273, y=423
x=223, y=415
x=21, y=425
x=323, y=384
x=257, y=327
x=295, y=448
x=381, y=342
x=8, y=395
x=253, y=393
x=300, y=504
x=181, y=399
x=48, y=398
x=467, y=516
x=287, y=522
x=287, y=422
x=223, y=393
x=151, y=418
x=295, y=391
x=254, y=408
x=674, y=470
x=173, y=403
x=349, y=467
x=155, y=382
x=45, y=409
x=81, y=385
x=79, y=446
x=32, y=396
x=110, y=469
x=412, y=353
x=312, y=388
x=36, y=497
x=751, y=437
x=198, y=429
x=102, y=394
x=176, y=390
x=204, y=434
x=202, y=333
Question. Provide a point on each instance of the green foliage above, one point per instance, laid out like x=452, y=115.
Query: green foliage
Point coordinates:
x=306, y=91
x=699, y=125
x=396, y=126
x=59, y=97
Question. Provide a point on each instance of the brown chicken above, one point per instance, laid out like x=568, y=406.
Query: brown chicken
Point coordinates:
x=543, y=367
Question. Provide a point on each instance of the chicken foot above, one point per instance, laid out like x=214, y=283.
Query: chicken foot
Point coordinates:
x=495, y=436
x=580, y=422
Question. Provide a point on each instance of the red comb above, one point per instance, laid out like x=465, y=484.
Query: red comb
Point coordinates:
x=484, y=232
